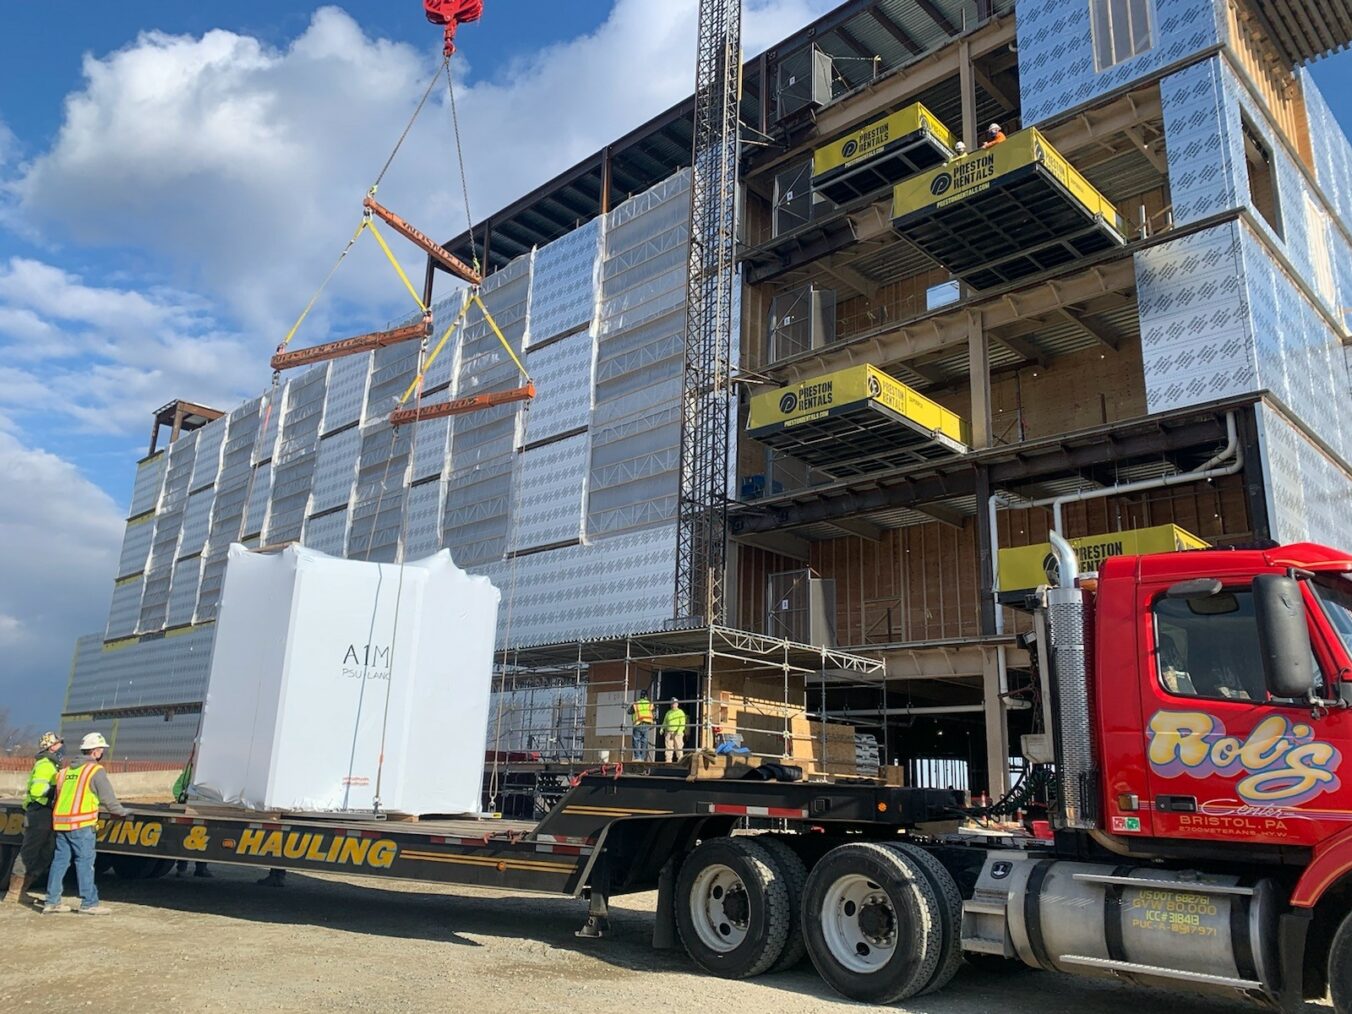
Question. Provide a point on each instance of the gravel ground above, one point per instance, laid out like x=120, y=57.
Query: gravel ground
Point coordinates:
x=330, y=942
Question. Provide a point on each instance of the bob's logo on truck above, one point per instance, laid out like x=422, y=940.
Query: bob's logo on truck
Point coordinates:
x=1281, y=762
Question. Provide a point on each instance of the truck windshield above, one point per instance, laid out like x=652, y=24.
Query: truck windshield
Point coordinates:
x=1335, y=595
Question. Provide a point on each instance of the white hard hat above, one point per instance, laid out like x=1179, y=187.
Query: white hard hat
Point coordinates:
x=93, y=741
x=994, y=128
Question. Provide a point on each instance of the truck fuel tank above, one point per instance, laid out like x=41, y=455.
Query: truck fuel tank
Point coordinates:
x=1212, y=933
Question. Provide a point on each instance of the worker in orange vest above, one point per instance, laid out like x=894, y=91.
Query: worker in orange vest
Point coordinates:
x=82, y=789
x=994, y=136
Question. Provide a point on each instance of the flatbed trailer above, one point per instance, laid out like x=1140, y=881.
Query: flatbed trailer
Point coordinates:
x=609, y=835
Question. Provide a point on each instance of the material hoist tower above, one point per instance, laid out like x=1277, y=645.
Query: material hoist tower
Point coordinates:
x=707, y=397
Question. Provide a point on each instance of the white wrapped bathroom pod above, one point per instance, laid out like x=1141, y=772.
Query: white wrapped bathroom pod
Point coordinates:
x=319, y=660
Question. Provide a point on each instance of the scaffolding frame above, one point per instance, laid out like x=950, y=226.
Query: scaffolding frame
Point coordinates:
x=705, y=650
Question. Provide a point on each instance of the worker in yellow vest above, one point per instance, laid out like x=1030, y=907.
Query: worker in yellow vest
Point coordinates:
x=36, y=851
x=673, y=732
x=82, y=789
x=645, y=718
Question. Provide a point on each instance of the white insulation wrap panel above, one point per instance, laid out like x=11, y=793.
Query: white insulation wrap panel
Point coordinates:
x=183, y=588
x=145, y=491
x=318, y=660
x=563, y=379
x=327, y=534
x=207, y=464
x=136, y=545
x=563, y=289
x=551, y=483
x=335, y=470
x=422, y=519
x=346, y=391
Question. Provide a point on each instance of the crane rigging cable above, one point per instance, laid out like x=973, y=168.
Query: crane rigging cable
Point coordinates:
x=463, y=10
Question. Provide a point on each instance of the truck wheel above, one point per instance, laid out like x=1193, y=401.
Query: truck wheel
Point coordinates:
x=950, y=909
x=1340, y=968
x=790, y=868
x=873, y=923
x=732, y=908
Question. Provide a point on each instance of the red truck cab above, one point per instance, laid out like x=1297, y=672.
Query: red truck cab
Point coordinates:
x=1195, y=744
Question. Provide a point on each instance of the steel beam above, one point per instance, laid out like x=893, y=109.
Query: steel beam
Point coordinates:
x=1046, y=458
x=862, y=529
x=781, y=543
x=949, y=328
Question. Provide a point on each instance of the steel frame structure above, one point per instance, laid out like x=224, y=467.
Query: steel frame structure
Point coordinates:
x=707, y=393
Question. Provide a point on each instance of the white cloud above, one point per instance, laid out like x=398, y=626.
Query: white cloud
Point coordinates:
x=243, y=166
x=59, y=538
x=110, y=354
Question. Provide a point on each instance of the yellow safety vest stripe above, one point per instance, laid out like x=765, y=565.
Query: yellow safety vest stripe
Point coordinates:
x=77, y=805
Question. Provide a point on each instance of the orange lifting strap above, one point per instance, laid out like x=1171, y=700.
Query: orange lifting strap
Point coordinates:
x=283, y=360
x=462, y=406
x=436, y=251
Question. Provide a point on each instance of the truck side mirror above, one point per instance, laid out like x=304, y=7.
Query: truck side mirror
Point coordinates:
x=1283, y=637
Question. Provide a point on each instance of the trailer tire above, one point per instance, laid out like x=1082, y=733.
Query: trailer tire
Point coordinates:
x=793, y=871
x=873, y=923
x=1340, y=968
x=732, y=908
x=950, y=911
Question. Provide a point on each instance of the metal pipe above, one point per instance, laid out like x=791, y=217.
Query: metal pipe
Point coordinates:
x=1207, y=471
x=1074, y=732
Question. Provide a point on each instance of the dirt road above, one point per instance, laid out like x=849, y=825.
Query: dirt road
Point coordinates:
x=346, y=943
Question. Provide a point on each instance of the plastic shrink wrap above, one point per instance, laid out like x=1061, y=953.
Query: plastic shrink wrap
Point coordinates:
x=320, y=663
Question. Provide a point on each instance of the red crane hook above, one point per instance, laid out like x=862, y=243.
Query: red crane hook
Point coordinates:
x=452, y=14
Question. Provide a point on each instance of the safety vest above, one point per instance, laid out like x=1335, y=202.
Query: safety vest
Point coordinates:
x=643, y=711
x=673, y=720
x=40, y=781
x=77, y=804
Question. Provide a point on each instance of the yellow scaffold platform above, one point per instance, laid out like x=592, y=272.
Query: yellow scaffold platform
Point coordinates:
x=1005, y=213
x=880, y=153
x=855, y=421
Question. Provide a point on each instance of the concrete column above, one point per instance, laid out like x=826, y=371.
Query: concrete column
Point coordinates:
x=978, y=358
x=997, y=725
x=967, y=84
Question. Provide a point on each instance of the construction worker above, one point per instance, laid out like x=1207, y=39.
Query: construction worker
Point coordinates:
x=82, y=789
x=994, y=136
x=644, y=719
x=36, y=851
x=673, y=732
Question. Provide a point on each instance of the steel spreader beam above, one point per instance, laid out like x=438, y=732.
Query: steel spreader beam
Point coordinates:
x=351, y=346
x=435, y=250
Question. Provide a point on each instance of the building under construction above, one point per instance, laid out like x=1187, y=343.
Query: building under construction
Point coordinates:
x=1124, y=321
